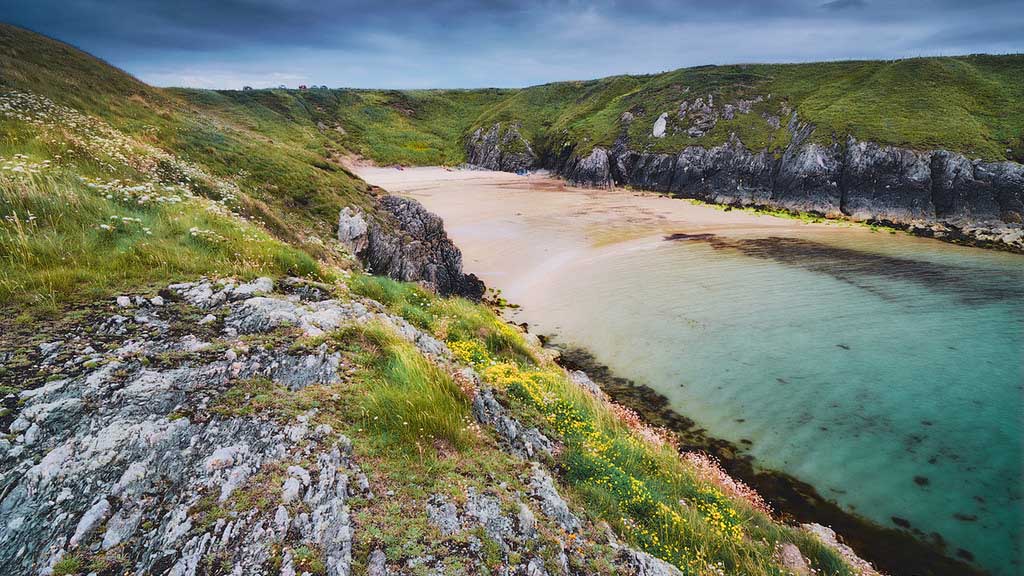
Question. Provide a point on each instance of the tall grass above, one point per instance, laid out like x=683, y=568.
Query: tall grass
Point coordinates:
x=452, y=319
x=54, y=247
x=410, y=402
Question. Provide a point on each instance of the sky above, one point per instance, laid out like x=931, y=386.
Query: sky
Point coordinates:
x=503, y=43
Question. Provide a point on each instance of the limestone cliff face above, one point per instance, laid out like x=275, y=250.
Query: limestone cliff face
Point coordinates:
x=500, y=148
x=408, y=244
x=935, y=192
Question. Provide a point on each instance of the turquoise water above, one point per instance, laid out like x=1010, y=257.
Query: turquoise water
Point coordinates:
x=885, y=371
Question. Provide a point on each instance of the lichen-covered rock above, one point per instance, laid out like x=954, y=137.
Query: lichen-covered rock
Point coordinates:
x=527, y=443
x=443, y=514
x=263, y=314
x=485, y=511
x=137, y=455
x=551, y=503
x=129, y=461
x=208, y=294
x=643, y=564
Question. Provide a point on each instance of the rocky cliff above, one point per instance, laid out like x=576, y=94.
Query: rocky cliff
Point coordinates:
x=500, y=148
x=408, y=243
x=935, y=193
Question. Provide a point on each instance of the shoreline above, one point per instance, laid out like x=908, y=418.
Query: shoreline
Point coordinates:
x=942, y=232
x=890, y=550
x=596, y=222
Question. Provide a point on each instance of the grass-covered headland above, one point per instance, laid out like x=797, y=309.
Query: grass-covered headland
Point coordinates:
x=972, y=105
x=110, y=188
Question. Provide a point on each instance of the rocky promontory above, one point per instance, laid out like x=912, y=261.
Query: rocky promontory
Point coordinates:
x=407, y=242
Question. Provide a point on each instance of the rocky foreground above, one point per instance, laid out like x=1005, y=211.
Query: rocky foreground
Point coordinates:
x=143, y=442
x=129, y=457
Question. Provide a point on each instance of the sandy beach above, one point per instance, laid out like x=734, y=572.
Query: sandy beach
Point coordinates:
x=553, y=223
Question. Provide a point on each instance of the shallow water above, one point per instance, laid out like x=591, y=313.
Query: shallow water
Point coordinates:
x=883, y=369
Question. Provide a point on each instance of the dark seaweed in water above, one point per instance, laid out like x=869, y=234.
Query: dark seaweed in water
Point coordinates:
x=969, y=285
x=896, y=552
x=680, y=236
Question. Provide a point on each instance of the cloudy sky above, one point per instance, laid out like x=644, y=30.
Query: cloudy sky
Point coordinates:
x=461, y=43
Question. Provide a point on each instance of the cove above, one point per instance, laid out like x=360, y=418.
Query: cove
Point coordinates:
x=883, y=370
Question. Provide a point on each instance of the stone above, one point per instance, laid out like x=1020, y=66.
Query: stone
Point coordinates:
x=443, y=514
x=527, y=522
x=793, y=561
x=47, y=349
x=643, y=564
x=124, y=301
x=527, y=443
x=593, y=170
x=886, y=183
x=543, y=490
x=828, y=537
x=376, y=565
x=580, y=378
x=413, y=247
x=658, y=131
x=87, y=476
x=485, y=510
x=262, y=285
x=90, y=520
x=290, y=489
x=352, y=229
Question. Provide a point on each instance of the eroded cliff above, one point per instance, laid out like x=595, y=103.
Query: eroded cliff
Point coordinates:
x=933, y=192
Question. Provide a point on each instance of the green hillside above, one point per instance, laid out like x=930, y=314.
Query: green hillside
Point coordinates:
x=80, y=126
x=968, y=104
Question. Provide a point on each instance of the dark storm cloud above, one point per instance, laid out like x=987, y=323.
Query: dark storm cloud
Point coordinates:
x=407, y=43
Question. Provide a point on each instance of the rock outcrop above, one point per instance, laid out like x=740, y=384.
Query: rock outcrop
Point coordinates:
x=500, y=148
x=133, y=462
x=408, y=243
x=933, y=193
x=153, y=451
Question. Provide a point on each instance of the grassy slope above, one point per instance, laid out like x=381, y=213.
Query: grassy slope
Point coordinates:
x=257, y=175
x=969, y=104
x=616, y=468
x=269, y=148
